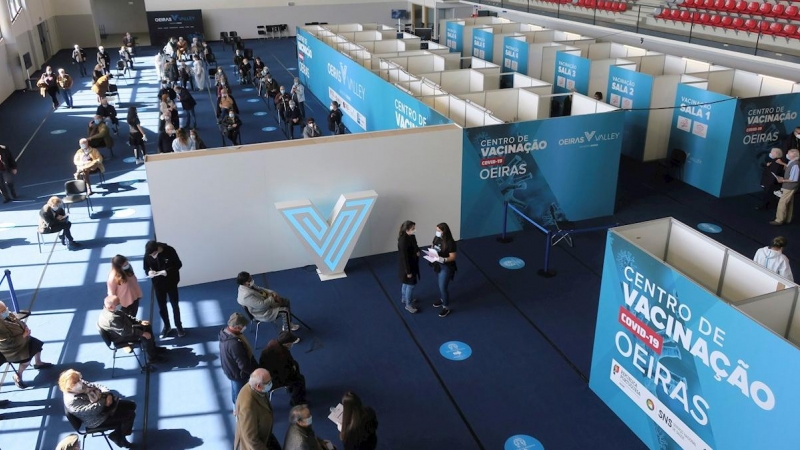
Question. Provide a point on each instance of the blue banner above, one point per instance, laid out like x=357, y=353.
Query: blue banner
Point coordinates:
x=571, y=74
x=483, y=43
x=515, y=55
x=683, y=369
x=701, y=126
x=553, y=169
x=631, y=90
x=760, y=123
x=454, y=36
x=368, y=103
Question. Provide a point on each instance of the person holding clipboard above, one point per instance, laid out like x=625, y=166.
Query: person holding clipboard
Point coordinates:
x=442, y=256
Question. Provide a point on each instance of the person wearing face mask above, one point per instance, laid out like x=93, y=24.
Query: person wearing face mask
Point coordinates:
x=158, y=62
x=200, y=74
x=107, y=111
x=219, y=77
x=300, y=435
x=236, y=354
x=792, y=141
x=96, y=406
x=245, y=74
x=48, y=84
x=789, y=183
x=99, y=135
x=8, y=169
x=87, y=160
x=311, y=130
x=79, y=58
x=198, y=141
x=65, y=84
x=773, y=168
x=293, y=119
x=282, y=99
x=187, y=103
x=103, y=59
x=271, y=88
x=335, y=124
x=254, y=418
x=408, y=251
x=18, y=346
x=53, y=219
x=264, y=304
x=772, y=258
x=124, y=328
x=285, y=371
x=122, y=282
x=165, y=139
x=169, y=111
x=136, y=136
x=299, y=96
x=100, y=85
x=231, y=127
x=445, y=267
x=162, y=265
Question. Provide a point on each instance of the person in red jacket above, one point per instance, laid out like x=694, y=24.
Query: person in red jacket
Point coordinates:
x=285, y=371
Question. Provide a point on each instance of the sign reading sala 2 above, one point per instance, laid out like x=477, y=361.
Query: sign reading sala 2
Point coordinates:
x=330, y=242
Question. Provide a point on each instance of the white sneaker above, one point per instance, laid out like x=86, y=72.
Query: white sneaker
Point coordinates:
x=139, y=161
x=778, y=193
x=411, y=309
x=295, y=327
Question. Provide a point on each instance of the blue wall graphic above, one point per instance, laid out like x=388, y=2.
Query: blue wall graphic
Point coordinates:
x=515, y=55
x=566, y=166
x=367, y=101
x=701, y=126
x=683, y=369
x=483, y=43
x=454, y=36
x=631, y=90
x=571, y=73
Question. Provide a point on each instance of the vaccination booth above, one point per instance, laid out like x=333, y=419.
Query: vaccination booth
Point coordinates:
x=695, y=345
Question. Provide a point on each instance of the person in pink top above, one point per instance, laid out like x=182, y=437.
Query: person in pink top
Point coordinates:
x=122, y=283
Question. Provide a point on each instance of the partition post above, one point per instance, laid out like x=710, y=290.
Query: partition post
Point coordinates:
x=691, y=28
x=504, y=238
x=546, y=272
x=14, y=303
x=758, y=38
x=594, y=16
x=638, y=17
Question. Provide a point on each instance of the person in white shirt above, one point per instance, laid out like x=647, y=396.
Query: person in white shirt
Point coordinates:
x=183, y=142
x=299, y=96
x=773, y=259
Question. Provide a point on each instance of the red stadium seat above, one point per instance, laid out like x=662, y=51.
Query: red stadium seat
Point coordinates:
x=687, y=4
x=705, y=18
x=765, y=9
x=752, y=7
x=716, y=20
x=719, y=5
x=738, y=23
x=695, y=17
x=600, y=4
x=789, y=30
x=623, y=6
x=776, y=28
x=727, y=22
x=741, y=6
x=707, y=4
x=750, y=25
x=791, y=12
x=764, y=26
x=730, y=5
x=675, y=14
x=778, y=10
x=590, y=4
x=685, y=16
x=663, y=14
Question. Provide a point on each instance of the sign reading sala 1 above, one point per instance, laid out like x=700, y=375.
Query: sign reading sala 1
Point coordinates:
x=330, y=242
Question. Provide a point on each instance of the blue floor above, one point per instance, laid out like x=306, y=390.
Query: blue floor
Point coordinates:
x=531, y=337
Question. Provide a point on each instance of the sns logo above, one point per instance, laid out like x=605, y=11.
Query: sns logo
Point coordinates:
x=330, y=242
x=339, y=74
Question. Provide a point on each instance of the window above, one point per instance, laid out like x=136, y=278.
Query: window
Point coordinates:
x=14, y=7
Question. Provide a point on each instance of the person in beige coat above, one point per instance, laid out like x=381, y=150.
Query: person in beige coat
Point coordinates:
x=253, y=413
x=87, y=160
x=18, y=346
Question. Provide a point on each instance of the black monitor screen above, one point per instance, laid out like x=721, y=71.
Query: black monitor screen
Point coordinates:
x=424, y=33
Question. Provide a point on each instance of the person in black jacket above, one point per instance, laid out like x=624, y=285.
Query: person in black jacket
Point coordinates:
x=294, y=118
x=335, y=125
x=106, y=111
x=162, y=265
x=53, y=219
x=792, y=141
x=103, y=59
x=236, y=354
x=283, y=368
x=445, y=267
x=187, y=104
x=773, y=168
x=8, y=168
x=359, y=424
x=409, y=263
x=231, y=127
x=165, y=139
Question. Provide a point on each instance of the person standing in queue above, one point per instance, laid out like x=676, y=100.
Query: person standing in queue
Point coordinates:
x=409, y=263
x=162, y=265
x=445, y=267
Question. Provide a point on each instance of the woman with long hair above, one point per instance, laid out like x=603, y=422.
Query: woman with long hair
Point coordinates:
x=409, y=263
x=445, y=267
x=359, y=424
x=169, y=112
x=122, y=282
x=136, y=137
x=198, y=141
x=182, y=142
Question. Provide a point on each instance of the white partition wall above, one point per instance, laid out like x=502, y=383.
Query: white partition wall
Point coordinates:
x=256, y=177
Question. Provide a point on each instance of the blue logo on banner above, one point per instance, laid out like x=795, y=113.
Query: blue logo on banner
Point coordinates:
x=523, y=442
x=709, y=227
x=455, y=350
x=512, y=263
x=268, y=129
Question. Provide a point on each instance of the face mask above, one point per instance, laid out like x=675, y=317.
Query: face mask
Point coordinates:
x=331, y=107
x=231, y=116
x=191, y=136
x=308, y=421
x=771, y=156
x=127, y=266
x=283, y=91
x=97, y=121
x=438, y=234
x=4, y=315
x=797, y=135
x=77, y=386
x=267, y=387
x=250, y=283
x=85, y=146
x=412, y=232
x=118, y=308
x=296, y=83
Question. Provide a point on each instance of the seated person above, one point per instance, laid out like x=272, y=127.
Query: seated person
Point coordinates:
x=285, y=371
x=293, y=119
x=124, y=329
x=282, y=99
x=244, y=70
x=107, y=111
x=18, y=346
x=99, y=135
x=259, y=66
x=231, y=128
x=226, y=104
x=130, y=43
x=53, y=219
x=237, y=61
x=311, y=130
x=300, y=435
x=87, y=160
x=264, y=304
x=100, y=85
x=182, y=47
x=96, y=406
x=270, y=87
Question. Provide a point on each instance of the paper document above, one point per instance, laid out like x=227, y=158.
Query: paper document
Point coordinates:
x=336, y=415
x=431, y=255
x=160, y=273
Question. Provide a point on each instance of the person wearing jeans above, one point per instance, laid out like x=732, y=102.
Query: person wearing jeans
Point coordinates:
x=790, y=181
x=409, y=263
x=162, y=265
x=65, y=83
x=236, y=354
x=445, y=266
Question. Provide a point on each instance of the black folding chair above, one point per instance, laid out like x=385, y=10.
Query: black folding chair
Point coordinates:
x=115, y=347
x=77, y=424
x=76, y=192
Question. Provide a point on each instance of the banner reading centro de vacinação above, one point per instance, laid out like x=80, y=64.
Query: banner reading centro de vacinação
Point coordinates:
x=682, y=368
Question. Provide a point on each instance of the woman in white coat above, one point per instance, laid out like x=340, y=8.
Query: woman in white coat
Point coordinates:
x=200, y=75
x=772, y=258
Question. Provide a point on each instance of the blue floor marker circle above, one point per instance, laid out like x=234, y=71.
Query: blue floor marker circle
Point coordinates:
x=247, y=90
x=512, y=263
x=58, y=131
x=523, y=442
x=709, y=227
x=260, y=113
x=253, y=100
x=292, y=68
x=129, y=160
x=268, y=129
x=455, y=350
